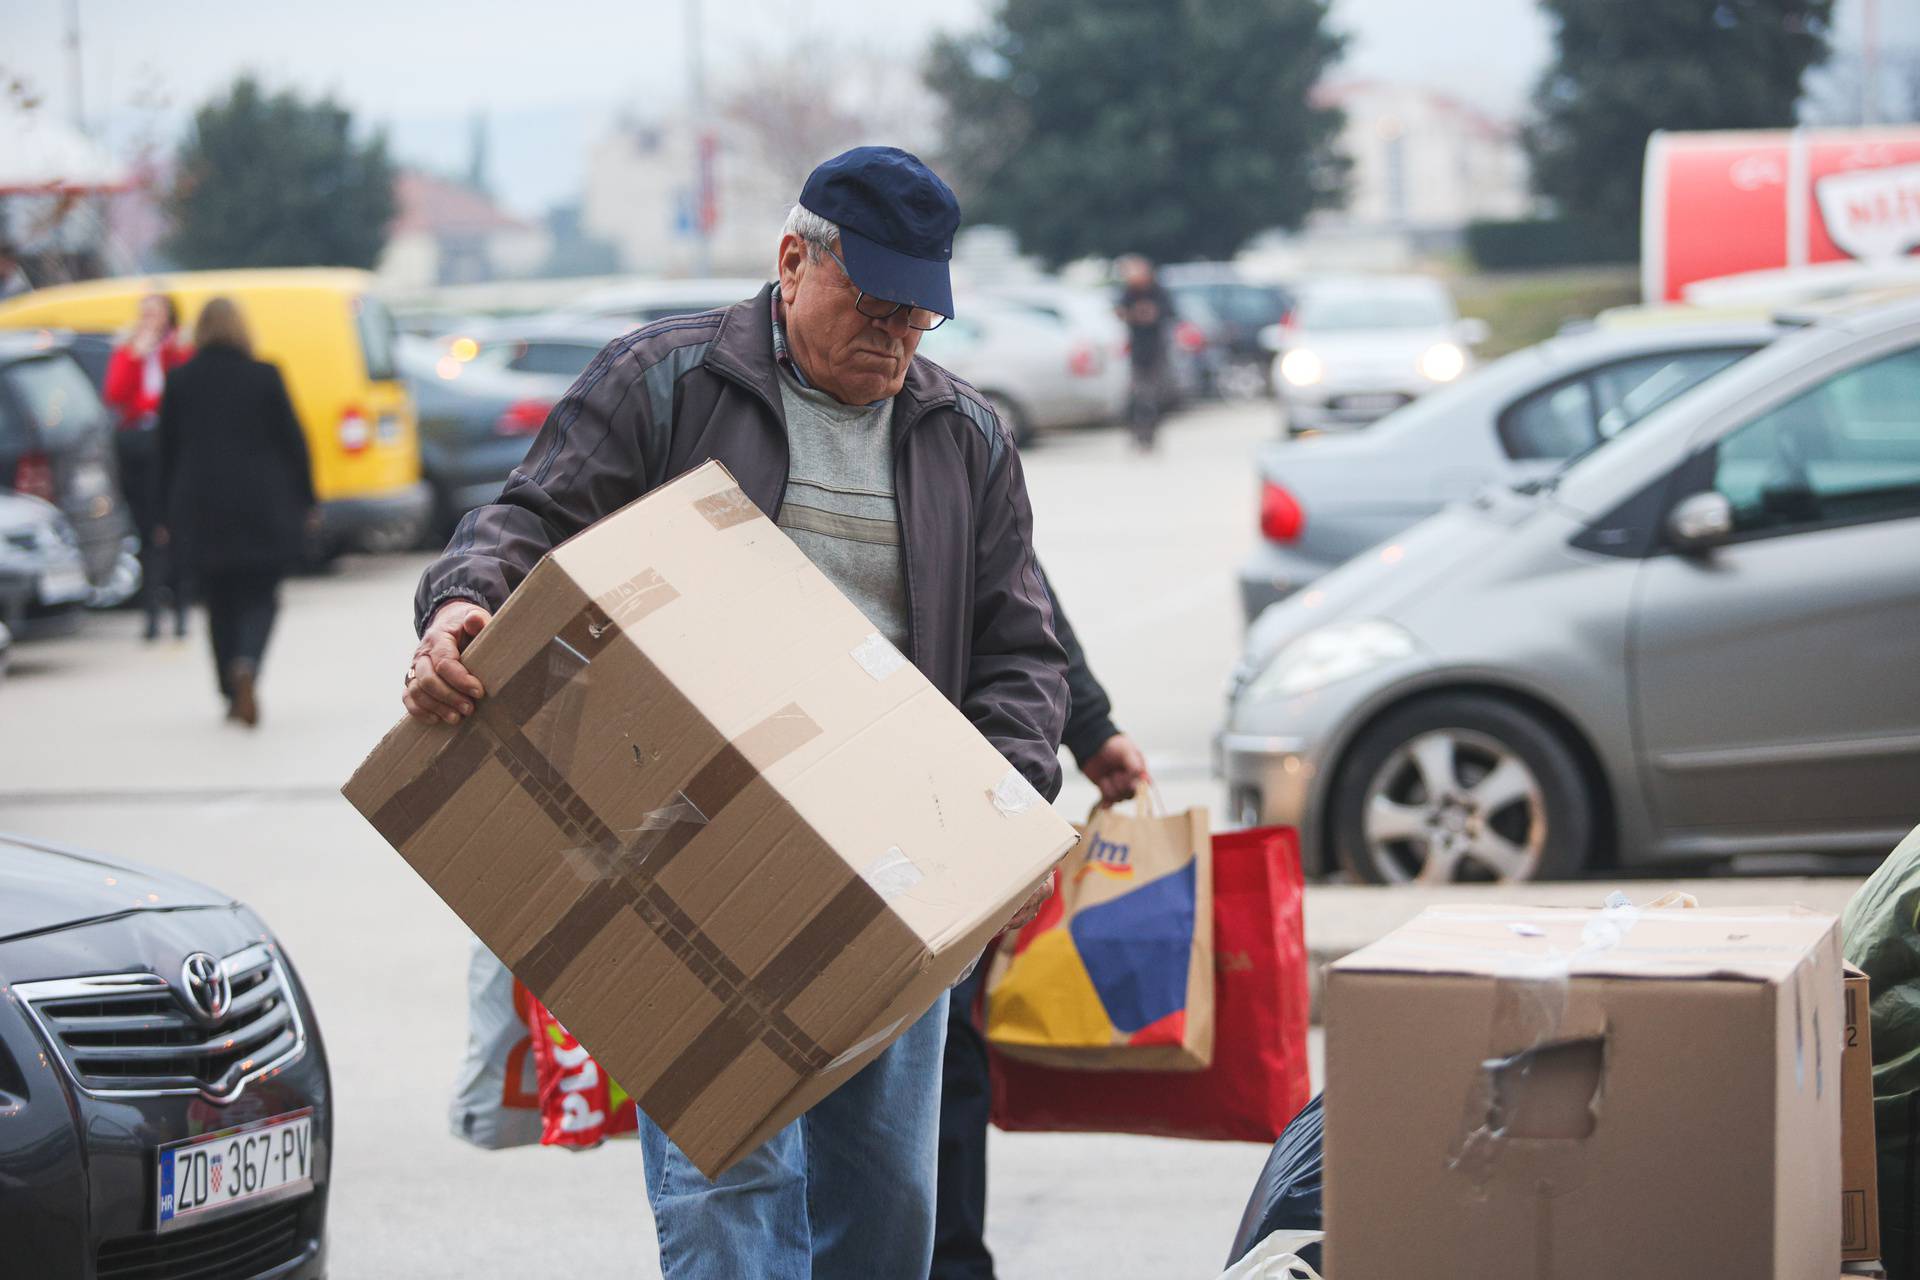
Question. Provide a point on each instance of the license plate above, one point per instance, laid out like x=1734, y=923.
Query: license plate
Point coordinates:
x=64, y=584
x=267, y=1160
x=1371, y=404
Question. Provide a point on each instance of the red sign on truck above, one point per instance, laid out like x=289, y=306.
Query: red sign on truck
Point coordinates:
x=1721, y=204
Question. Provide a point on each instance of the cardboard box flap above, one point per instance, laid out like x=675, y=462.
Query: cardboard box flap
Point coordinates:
x=1756, y=944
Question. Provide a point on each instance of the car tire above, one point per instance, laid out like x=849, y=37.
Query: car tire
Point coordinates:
x=1011, y=418
x=1461, y=787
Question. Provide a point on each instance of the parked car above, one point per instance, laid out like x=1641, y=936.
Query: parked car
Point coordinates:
x=1694, y=644
x=333, y=342
x=44, y=587
x=1326, y=498
x=1355, y=348
x=644, y=301
x=1099, y=340
x=165, y=1094
x=1025, y=365
x=483, y=394
x=56, y=444
x=1241, y=310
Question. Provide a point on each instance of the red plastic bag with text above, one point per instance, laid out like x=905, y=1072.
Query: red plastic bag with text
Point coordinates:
x=1258, y=1080
x=579, y=1105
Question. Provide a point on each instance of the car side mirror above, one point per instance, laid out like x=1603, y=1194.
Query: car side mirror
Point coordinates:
x=1473, y=331
x=1272, y=338
x=1700, y=522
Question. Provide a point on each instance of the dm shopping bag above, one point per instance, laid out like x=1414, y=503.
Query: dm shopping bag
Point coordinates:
x=1116, y=972
x=1258, y=1079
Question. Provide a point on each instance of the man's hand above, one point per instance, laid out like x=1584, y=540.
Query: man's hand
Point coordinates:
x=1116, y=768
x=1031, y=907
x=439, y=686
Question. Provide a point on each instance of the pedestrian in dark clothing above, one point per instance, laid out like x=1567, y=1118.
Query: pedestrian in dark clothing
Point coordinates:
x=238, y=493
x=1146, y=308
x=137, y=374
x=1112, y=761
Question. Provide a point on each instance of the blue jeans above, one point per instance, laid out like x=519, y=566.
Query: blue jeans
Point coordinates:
x=845, y=1191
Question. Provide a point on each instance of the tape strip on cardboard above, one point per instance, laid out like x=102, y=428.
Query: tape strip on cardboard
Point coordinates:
x=622, y=868
x=727, y=508
x=1530, y=1018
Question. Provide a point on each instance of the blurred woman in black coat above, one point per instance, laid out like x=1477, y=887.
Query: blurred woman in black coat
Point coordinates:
x=238, y=492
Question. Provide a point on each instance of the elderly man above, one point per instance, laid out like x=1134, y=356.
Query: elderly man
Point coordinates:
x=899, y=483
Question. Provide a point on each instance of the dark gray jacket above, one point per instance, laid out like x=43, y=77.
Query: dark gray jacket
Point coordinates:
x=678, y=393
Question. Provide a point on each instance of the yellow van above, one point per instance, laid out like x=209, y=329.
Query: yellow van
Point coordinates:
x=334, y=345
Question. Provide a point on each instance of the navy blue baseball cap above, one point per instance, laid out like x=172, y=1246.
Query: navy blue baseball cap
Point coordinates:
x=896, y=221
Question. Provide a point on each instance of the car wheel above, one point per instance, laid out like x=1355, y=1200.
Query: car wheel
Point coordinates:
x=1011, y=418
x=1461, y=788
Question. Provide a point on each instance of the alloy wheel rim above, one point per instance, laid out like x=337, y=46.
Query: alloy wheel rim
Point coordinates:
x=1450, y=805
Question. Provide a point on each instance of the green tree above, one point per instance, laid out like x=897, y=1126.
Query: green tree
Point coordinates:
x=1174, y=128
x=272, y=180
x=1623, y=70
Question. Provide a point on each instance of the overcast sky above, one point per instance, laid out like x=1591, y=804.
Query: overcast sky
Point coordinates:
x=550, y=75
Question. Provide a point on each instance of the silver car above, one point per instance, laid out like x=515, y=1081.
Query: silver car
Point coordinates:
x=1695, y=644
x=1355, y=348
x=1326, y=498
x=1030, y=368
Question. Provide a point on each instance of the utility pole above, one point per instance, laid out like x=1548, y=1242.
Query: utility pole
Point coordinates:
x=703, y=199
x=73, y=65
x=1869, y=62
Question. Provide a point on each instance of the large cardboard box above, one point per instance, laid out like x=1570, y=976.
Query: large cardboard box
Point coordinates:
x=733, y=839
x=1516, y=1093
x=1859, y=1167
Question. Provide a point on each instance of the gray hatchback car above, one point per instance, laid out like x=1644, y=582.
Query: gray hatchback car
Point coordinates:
x=1695, y=644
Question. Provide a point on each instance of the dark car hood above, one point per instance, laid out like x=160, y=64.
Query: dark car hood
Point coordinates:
x=44, y=886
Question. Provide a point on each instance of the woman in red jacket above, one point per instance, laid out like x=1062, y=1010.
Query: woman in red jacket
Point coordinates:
x=136, y=376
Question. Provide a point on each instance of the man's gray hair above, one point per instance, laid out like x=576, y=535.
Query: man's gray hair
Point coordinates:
x=816, y=232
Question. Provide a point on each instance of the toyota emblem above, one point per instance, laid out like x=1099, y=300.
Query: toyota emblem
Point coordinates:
x=207, y=985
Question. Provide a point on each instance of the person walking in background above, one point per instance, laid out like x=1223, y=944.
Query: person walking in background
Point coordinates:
x=1146, y=309
x=237, y=494
x=13, y=277
x=1112, y=762
x=136, y=376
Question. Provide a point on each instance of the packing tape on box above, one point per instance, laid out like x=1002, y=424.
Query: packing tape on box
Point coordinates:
x=1529, y=1019
x=530, y=724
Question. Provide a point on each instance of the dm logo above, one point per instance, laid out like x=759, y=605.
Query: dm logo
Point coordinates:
x=1108, y=859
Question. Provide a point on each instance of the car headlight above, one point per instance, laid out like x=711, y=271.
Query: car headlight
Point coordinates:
x=1442, y=362
x=1301, y=367
x=1327, y=654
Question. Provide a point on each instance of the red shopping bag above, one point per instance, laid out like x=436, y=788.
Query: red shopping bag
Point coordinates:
x=1258, y=1079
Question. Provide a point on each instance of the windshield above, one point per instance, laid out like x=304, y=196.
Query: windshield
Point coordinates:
x=1350, y=310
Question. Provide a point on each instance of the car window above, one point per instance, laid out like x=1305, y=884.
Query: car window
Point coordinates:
x=1385, y=309
x=1557, y=421
x=1847, y=450
x=377, y=341
x=1629, y=390
x=566, y=359
x=59, y=401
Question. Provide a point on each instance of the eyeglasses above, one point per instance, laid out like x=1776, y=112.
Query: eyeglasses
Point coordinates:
x=880, y=309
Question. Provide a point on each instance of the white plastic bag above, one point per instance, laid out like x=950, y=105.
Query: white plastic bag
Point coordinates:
x=1276, y=1258
x=496, y=1099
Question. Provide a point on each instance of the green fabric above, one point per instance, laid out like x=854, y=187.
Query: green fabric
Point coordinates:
x=1881, y=934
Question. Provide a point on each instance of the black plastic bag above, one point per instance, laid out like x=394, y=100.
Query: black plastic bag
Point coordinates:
x=1286, y=1196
